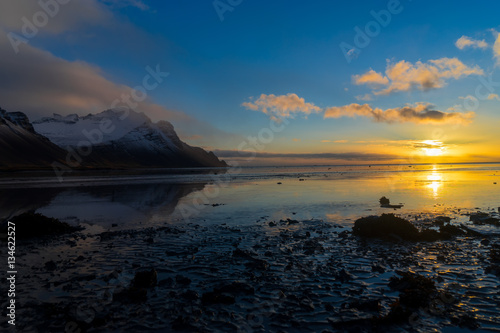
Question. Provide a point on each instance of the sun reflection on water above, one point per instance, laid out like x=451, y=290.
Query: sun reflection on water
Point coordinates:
x=434, y=180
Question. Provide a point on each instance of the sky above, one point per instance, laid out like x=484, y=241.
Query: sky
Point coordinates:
x=269, y=83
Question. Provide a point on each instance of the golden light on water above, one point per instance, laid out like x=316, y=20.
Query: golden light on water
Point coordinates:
x=435, y=181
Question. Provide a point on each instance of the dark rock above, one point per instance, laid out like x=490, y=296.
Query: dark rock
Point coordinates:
x=236, y=288
x=343, y=276
x=365, y=305
x=50, y=265
x=216, y=297
x=182, y=280
x=385, y=226
x=415, y=290
x=145, y=279
x=190, y=295
x=495, y=253
x=384, y=201
x=29, y=225
x=182, y=323
x=132, y=294
x=481, y=218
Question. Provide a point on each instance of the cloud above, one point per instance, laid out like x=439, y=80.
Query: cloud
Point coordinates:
x=336, y=141
x=405, y=76
x=419, y=114
x=365, y=97
x=496, y=48
x=350, y=156
x=38, y=83
x=65, y=17
x=494, y=96
x=371, y=78
x=295, y=140
x=428, y=144
x=282, y=106
x=465, y=41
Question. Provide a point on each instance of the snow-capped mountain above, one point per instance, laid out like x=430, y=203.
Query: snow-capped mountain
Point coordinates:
x=124, y=139
x=21, y=147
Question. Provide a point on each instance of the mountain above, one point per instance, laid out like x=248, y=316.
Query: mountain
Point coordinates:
x=21, y=147
x=123, y=140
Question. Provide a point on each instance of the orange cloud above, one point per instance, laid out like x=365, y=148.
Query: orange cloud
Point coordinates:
x=419, y=114
x=282, y=106
x=465, y=41
x=494, y=96
x=371, y=78
x=496, y=48
x=405, y=76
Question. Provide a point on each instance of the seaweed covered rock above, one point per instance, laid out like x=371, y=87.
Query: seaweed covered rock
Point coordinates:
x=386, y=226
x=391, y=227
x=145, y=279
x=137, y=292
x=415, y=290
x=30, y=225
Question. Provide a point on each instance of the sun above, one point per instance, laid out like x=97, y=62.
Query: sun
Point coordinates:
x=431, y=147
x=433, y=151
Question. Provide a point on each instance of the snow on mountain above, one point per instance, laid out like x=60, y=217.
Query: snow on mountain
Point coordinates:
x=71, y=129
x=125, y=139
x=21, y=147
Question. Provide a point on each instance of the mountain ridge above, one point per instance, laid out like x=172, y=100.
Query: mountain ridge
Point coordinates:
x=107, y=140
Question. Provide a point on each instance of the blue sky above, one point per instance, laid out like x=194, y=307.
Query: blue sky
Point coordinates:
x=278, y=48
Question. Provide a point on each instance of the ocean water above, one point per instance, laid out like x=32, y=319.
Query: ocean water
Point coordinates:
x=282, y=234
x=337, y=194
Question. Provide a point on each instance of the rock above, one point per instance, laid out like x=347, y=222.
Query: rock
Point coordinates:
x=190, y=295
x=50, y=265
x=145, y=279
x=385, y=225
x=495, y=253
x=384, y=201
x=30, y=225
x=365, y=305
x=216, y=297
x=415, y=290
x=182, y=280
x=378, y=268
x=132, y=294
x=236, y=288
x=481, y=218
x=343, y=276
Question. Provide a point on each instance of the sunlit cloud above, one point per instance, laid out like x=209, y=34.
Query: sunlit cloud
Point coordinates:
x=496, y=48
x=371, y=78
x=365, y=97
x=465, y=41
x=421, y=113
x=405, y=76
x=335, y=141
x=282, y=106
x=494, y=96
x=332, y=156
x=430, y=147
